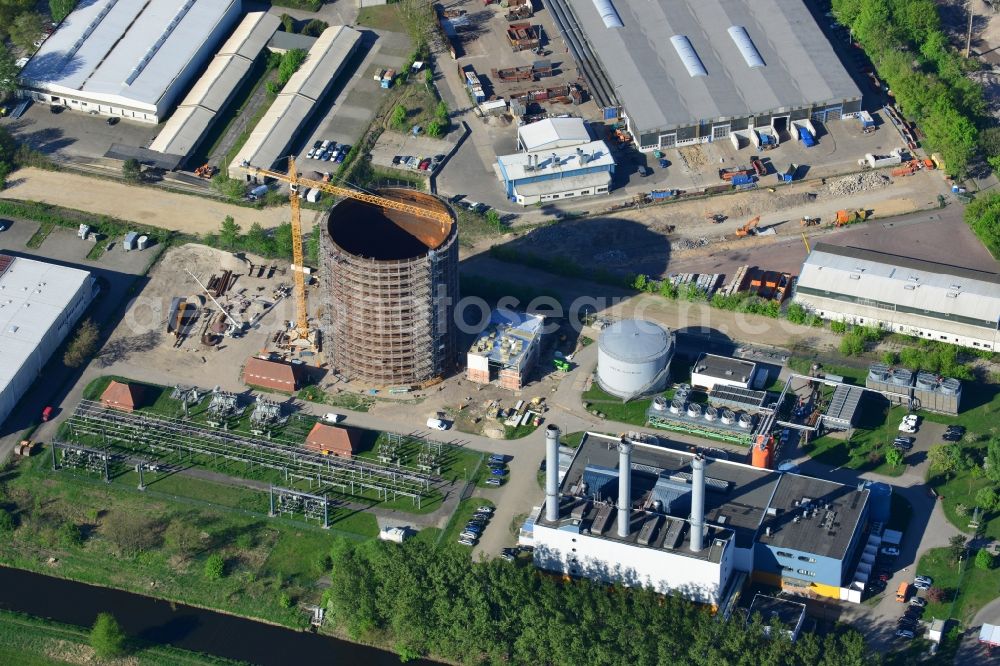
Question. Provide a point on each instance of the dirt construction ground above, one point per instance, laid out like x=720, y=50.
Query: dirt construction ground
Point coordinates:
x=153, y=206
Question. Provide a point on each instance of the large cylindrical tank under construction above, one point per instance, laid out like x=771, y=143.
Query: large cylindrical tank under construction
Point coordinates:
x=390, y=284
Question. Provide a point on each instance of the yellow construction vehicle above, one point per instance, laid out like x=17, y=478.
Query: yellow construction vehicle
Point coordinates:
x=747, y=228
x=294, y=183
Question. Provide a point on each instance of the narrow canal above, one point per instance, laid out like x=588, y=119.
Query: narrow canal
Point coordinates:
x=195, y=629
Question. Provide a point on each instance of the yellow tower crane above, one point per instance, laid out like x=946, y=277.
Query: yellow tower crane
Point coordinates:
x=294, y=183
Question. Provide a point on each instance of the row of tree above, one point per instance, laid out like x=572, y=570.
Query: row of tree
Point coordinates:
x=428, y=601
x=908, y=46
x=274, y=244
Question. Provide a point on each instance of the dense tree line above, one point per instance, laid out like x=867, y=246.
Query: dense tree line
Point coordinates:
x=983, y=215
x=907, y=45
x=424, y=601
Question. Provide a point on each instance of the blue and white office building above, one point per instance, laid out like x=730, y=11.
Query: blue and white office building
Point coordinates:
x=557, y=174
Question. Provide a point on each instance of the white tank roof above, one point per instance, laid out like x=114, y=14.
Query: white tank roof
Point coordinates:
x=635, y=340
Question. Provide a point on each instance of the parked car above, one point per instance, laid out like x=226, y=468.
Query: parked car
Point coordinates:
x=396, y=159
x=912, y=419
x=906, y=427
x=4, y=224
x=113, y=120
x=485, y=509
x=331, y=417
x=467, y=542
x=890, y=551
x=918, y=602
x=412, y=162
x=437, y=424
x=474, y=529
x=424, y=164
x=494, y=481
x=904, y=633
x=508, y=554
x=644, y=170
x=922, y=583
x=903, y=444
x=496, y=457
x=497, y=471
x=47, y=413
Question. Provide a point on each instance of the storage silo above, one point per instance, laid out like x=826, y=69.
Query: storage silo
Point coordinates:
x=390, y=288
x=633, y=358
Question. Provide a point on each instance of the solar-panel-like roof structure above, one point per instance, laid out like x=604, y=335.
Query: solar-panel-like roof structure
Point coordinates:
x=132, y=53
x=676, y=63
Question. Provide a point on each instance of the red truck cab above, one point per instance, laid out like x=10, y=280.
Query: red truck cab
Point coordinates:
x=47, y=413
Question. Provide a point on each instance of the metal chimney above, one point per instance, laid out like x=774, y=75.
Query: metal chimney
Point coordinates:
x=697, y=503
x=552, y=473
x=624, y=486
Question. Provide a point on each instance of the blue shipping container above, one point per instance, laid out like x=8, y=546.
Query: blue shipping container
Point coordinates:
x=610, y=112
x=742, y=179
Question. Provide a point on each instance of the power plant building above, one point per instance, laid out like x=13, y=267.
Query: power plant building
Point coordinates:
x=127, y=58
x=710, y=371
x=910, y=296
x=390, y=284
x=507, y=350
x=39, y=305
x=633, y=358
x=692, y=71
x=560, y=173
x=686, y=523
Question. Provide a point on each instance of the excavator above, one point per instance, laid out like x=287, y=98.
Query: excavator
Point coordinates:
x=748, y=228
x=294, y=183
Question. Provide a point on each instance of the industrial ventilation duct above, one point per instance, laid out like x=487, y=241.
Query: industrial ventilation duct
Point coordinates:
x=608, y=14
x=688, y=56
x=746, y=46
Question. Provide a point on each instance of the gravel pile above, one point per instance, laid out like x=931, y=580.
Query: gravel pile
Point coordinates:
x=862, y=182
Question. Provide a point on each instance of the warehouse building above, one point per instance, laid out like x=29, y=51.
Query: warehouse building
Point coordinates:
x=691, y=524
x=127, y=58
x=920, y=298
x=39, y=305
x=506, y=350
x=693, y=71
x=550, y=133
x=560, y=173
x=272, y=138
x=226, y=72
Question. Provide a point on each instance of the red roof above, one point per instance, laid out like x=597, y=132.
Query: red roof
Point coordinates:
x=333, y=439
x=122, y=395
x=270, y=374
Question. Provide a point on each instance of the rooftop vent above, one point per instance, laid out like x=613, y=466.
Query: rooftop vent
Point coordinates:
x=688, y=56
x=746, y=46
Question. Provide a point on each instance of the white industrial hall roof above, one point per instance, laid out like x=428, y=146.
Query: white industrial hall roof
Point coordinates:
x=559, y=160
x=34, y=296
x=552, y=132
x=125, y=51
x=271, y=138
x=911, y=285
x=675, y=63
x=217, y=84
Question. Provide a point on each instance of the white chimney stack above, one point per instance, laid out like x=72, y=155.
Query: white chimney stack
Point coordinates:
x=624, y=486
x=697, y=503
x=552, y=473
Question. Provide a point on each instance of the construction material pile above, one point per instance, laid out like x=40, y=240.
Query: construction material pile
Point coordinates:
x=860, y=182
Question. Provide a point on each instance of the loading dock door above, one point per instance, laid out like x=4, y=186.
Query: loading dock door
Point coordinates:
x=828, y=114
x=668, y=140
x=720, y=132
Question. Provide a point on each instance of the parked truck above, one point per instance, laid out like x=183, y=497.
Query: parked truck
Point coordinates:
x=872, y=161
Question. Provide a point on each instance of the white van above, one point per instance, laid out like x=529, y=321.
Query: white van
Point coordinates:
x=437, y=424
x=330, y=417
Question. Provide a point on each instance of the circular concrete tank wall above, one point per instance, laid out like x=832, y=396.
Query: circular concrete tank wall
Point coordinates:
x=633, y=358
x=390, y=283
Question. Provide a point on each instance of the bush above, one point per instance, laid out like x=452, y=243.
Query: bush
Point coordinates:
x=434, y=128
x=70, y=534
x=284, y=600
x=132, y=171
x=107, y=637
x=215, y=567
x=983, y=216
x=287, y=23
x=83, y=345
x=984, y=560
x=315, y=28
x=6, y=521
x=398, y=118
x=60, y=9
x=936, y=594
x=852, y=345
x=838, y=327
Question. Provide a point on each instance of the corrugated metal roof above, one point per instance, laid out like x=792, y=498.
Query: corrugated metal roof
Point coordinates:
x=33, y=297
x=659, y=93
x=130, y=51
x=551, y=130
x=271, y=138
x=251, y=35
x=903, y=281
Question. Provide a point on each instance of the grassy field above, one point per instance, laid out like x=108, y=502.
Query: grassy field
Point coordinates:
x=967, y=587
x=596, y=399
x=40, y=235
x=352, y=401
x=31, y=641
x=149, y=543
x=384, y=17
x=980, y=410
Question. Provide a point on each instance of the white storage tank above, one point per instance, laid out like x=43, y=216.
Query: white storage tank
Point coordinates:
x=633, y=358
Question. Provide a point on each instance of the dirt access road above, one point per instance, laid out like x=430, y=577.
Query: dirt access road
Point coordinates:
x=147, y=205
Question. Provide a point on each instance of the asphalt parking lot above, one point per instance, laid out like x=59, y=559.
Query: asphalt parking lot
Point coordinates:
x=76, y=135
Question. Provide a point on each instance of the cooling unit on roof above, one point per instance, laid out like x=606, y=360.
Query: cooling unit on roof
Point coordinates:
x=746, y=46
x=688, y=56
x=608, y=14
